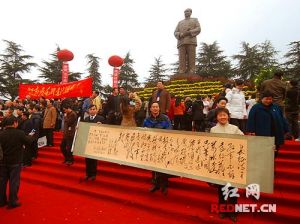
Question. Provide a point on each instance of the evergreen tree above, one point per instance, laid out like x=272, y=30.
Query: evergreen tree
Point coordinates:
x=292, y=65
x=249, y=61
x=93, y=69
x=256, y=60
x=106, y=90
x=74, y=76
x=212, y=62
x=127, y=76
x=267, y=55
x=175, y=67
x=52, y=70
x=157, y=71
x=12, y=65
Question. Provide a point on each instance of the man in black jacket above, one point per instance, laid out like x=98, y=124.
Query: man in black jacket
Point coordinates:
x=91, y=164
x=113, y=107
x=12, y=141
x=70, y=121
x=27, y=127
x=292, y=107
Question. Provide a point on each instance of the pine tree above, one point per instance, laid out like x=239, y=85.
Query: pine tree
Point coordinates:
x=212, y=62
x=12, y=65
x=157, y=71
x=106, y=90
x=51, y=72
x=249, y=61
x=93, y=69
x=292, y=65
x=175, y=67
x=267, y=55
x=127, y=76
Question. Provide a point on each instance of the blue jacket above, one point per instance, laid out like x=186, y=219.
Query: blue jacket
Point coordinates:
x=161, y=122
x=267, y=121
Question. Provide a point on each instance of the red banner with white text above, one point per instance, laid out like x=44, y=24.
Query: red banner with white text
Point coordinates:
x=81, y=88
x=115, y=77
x=65, y=73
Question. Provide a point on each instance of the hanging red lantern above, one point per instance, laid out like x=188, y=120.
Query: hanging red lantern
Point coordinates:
x=65, y=55
x=115, y=61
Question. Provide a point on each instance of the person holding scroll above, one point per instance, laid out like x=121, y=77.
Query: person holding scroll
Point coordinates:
x=91, y=164
x=161, y=121
x=266, y=119
x=223, y=126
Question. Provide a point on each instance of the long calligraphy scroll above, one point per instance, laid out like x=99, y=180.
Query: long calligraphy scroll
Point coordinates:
x=215, y=158
x=81, y=88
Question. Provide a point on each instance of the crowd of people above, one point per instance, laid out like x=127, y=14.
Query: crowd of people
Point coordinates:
x=274, y=111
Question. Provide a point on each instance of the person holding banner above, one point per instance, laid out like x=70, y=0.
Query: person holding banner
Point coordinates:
x=266, y=119
x=223, y=126
x=91, y=164
x=161, y=121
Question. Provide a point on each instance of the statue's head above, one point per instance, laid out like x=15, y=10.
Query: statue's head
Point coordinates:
x=188, y=13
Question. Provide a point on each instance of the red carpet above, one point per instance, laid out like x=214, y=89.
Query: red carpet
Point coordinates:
x=51, y=193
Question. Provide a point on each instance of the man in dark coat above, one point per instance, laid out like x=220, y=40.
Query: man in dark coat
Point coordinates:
x=113, y=107
x=27, y=127
x=292, y=107
x=91, y=164
x=36, y=119
x=277, y=87
x=11, y=141
x=70, y=121
x=198, y=116
x=162, y=97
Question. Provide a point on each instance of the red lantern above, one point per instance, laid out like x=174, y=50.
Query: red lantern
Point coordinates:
x=65, y=55
x=115, y=61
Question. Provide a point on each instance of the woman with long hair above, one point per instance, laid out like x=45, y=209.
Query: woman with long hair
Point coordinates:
x=129, y=105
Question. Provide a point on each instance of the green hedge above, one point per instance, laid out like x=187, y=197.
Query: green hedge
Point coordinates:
x=183, y=88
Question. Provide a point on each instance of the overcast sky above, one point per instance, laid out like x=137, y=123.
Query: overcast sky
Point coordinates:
x=144, y=28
